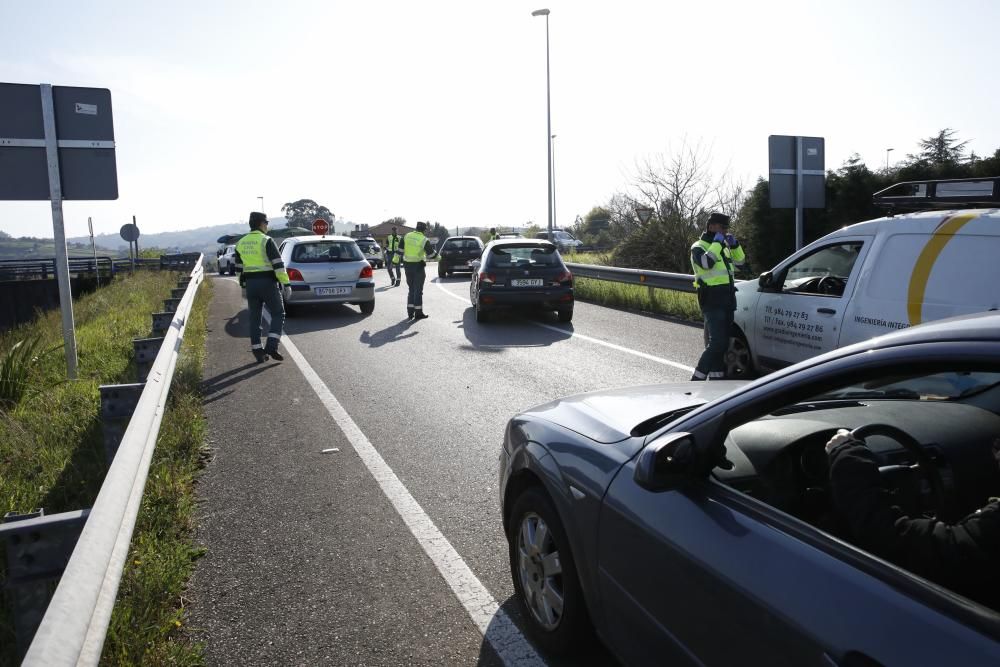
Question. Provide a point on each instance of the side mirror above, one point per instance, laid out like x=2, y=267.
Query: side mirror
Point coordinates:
x=666, y=463
x=766, y=280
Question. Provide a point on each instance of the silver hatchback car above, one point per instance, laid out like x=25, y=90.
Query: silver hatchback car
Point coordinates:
x=327, y=269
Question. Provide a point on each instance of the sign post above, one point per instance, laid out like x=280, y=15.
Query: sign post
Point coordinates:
x=320, y=227
x=38, y=164
x=130, y=233
x=93, y=246
x=797, y=175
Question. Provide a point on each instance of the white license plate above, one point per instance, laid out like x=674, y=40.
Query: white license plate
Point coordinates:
x=526, y=282
x=330, y=291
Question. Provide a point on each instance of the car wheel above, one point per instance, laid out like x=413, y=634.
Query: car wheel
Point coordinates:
x=222, y=271
x=739, y=363
x=368, y=307
x=441, y=272
x=481, y=315
x=290, y=310
x=232, y=269
x=566, y=315
x=545, y=578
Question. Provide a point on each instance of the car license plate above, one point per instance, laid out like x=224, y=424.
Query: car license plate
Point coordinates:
x=526, y=282
x=329, y=291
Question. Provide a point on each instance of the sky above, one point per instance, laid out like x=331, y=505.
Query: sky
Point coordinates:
x=436, y=110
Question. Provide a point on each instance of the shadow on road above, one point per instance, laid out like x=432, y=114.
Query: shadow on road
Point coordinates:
x=507, y=330
x=212, y=388
x=396, y=332
x=322, y=317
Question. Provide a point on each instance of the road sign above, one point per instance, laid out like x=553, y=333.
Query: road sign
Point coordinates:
x=129, y=232
x=797, y=176
x=320, y=227
x=644, y=213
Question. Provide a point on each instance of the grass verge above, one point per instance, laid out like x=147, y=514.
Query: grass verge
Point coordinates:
x=51, y=455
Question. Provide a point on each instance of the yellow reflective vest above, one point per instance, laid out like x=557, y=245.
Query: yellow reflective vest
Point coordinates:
x=253, y=256
x=413, y=247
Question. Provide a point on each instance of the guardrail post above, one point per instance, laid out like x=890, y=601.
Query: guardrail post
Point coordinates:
x=37, y=548
x=178, y=292
x=161, y=322
x=170, y=305
x=183, y=281
x=118, y=402
x=145, y=350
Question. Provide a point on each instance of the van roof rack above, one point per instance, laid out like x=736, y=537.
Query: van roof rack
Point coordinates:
x=919, y=195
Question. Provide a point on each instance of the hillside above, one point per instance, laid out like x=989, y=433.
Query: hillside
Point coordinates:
x=30, y=248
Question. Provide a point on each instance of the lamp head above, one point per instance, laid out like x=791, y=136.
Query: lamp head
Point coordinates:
x=540, y=12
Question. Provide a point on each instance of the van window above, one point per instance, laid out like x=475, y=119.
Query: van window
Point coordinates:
x=825, y=271
x=966, y=273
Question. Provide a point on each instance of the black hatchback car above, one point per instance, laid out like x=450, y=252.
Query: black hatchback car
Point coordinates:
x=521, y=273
x=458, y=253
x=696, y=523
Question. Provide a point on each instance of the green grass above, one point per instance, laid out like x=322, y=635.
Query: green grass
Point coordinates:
x=681, y=305
x=52, y=456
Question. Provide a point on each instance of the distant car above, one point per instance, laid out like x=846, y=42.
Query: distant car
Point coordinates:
x=694, y=523
x=521, y=273
x=458, y=253
x=563, y=240
x=227, y=261
x=327, y=269
x=372, y=252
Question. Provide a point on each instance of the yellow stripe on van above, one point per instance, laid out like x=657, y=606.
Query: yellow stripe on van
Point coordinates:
x=925, y=263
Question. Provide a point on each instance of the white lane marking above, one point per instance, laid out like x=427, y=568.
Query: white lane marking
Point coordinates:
x=495, y=625
x=589, y=339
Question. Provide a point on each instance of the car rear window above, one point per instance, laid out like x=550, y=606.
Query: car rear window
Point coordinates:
x=326, y=251
x=460, y=244
x=526, y=255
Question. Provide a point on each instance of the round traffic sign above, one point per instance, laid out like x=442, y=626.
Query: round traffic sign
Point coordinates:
x=129, y=232
x=320, y=226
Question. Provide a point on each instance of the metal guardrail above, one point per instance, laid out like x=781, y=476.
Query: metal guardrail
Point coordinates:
x=45, y=267
x=673, y=281
x=75, y=624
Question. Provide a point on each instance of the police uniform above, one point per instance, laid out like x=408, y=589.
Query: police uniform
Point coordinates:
x=391, y=259
x=712, y=260
x=262, y=272
x=416, y=248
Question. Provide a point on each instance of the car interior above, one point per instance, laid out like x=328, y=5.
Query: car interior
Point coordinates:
x=325, y=251
x=524, y=256
x=932, y=432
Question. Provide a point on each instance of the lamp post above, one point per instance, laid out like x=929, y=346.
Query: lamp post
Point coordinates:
x=887, y=151
x=555, y=219
x=548, y=107
x=261, y=204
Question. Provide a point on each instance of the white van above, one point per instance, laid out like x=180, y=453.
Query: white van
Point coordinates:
x=874, y=277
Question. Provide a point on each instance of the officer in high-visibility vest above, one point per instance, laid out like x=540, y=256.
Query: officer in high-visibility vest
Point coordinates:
x=493, y=234
x=713, y=257
x=391, y=261
x=416, y=249
x=262, y=272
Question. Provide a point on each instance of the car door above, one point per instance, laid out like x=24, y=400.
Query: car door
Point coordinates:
x=799, y=314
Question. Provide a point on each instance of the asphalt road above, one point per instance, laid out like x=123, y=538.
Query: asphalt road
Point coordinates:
x=309, y=561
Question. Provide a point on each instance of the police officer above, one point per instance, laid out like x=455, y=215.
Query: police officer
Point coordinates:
x=416, y=249
x=261, y=272
x=493, y=234
x=964, y=556
x=713, y=257
x=391, y=261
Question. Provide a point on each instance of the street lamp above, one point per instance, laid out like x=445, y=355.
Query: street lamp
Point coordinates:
x=555, y=220
x=261, y=204
x=548, y=107
x=887, y=151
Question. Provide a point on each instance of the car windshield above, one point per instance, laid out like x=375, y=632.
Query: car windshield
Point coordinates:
x=526, y=255
x=326, y=251
x=936, y=387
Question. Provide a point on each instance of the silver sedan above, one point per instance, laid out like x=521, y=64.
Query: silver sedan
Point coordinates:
x=327, y=269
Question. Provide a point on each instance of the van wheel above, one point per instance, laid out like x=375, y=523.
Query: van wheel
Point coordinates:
x=739, y=363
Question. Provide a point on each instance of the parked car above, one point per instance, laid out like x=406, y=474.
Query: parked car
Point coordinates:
x=563, y=240
x=458, y=253
x=874, y=277
x=372, y=252
x=227, y=261
x=521, y=273
x=327, y=269
x=693, y=523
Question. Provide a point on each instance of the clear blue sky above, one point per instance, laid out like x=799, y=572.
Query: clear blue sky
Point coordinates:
x=436, y=110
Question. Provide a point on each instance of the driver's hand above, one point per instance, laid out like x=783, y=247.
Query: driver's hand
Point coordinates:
x=842, y=436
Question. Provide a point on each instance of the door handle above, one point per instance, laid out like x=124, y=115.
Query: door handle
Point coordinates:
x=826, y=311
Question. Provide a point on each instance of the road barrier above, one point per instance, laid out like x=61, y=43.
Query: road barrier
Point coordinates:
x=45, y=267
x=673, y=281
x=75, y=621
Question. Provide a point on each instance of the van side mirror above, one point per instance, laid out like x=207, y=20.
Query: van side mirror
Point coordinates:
x=666, y=463
x=766, y=280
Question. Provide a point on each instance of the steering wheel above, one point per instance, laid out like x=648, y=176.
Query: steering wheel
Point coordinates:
x=941, y=497
x=831, y=285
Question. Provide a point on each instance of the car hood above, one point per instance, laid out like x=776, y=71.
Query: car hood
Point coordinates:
x=609, y=416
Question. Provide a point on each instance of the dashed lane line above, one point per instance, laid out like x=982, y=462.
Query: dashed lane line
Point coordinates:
x=589, y=339
x=495, y=625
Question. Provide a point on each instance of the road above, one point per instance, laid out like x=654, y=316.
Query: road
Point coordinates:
x=328, y=558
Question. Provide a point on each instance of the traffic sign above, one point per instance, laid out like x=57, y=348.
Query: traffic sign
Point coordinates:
x=320, y=227
x=129, y=232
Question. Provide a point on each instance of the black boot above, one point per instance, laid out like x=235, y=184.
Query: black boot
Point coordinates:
x=272, y=351
x=259, y=355
x=420, y=315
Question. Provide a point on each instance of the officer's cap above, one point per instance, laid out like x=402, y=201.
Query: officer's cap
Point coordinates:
x=718, y=219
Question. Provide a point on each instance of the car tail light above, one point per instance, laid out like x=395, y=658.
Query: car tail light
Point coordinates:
x=295, y=274
x=487, y=278
x=366, y=271
x=564, y=278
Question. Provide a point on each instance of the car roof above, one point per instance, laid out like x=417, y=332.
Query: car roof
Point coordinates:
x=916, y=222
x=522, y=242
x=463, y=237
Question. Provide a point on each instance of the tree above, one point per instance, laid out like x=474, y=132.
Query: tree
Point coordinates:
x=398, y=221
x=303, y=212
x=940, y=150
x=4, y=235
x=438, y=231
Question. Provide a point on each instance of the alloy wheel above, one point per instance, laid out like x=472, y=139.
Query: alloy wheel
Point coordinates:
x=540, y=571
